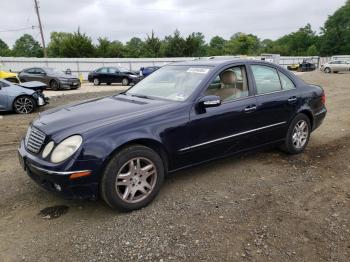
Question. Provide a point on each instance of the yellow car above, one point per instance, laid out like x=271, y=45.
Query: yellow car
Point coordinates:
x=9, y=76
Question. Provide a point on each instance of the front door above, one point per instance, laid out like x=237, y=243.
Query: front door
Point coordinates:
x=225, y=129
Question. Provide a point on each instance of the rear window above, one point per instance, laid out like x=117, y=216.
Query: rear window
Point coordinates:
x=266, y=79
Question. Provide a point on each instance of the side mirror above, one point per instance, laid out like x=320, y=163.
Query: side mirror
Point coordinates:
x=210, y=101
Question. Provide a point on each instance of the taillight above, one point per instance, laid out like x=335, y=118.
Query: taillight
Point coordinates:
x=324, y=98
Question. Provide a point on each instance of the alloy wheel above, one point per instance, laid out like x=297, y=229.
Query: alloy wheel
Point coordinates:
x=300, y=134
x=136, y=179
x=96, y=82
x=24, y=105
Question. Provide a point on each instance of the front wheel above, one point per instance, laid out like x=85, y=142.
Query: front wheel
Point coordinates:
x=54, y=85
x=96, y=82
x=298, y=135
x=24, y=105
x=132, y=178
x=327, y=70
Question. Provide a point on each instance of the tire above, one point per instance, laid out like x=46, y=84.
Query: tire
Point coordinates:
x=54, y=85
x=108, y=84
x=298, y=135
x=126, y=192
x=125, y=82
x=96, y=82
x=327, y=70
x=24, y=105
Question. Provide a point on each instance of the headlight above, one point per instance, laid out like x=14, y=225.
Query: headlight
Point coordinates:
x=133, y=76
x=66, y=148
x=48, y=148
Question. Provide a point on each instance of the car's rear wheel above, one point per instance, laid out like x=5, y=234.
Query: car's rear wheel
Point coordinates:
x=132, y=178
x=24, y=105
x=298, y=135
x=108, y=84
x=327, y=70
x=125, y=82
x=54, y=85
x=96, y=82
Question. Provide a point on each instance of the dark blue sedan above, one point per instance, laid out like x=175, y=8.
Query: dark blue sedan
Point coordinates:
x=120, y=147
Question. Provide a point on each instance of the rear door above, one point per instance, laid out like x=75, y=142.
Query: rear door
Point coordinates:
x=277, y=100
x=28, y=75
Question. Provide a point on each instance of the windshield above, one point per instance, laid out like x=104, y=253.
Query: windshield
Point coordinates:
x=175, y=83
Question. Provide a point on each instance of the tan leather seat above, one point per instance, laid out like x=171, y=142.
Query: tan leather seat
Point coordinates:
x=228, y=81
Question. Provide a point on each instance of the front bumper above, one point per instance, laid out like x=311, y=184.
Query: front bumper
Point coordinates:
x=57, y=181
x=70, y=85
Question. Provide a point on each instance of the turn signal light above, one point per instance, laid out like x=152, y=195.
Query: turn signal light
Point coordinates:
x=79, y=175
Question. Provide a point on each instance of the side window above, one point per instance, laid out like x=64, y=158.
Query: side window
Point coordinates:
x=287, y=84
x=266, y=79
x=30, y=71
x=39, y=71
x=103, y=70
x=113, y=70
x=230, y=84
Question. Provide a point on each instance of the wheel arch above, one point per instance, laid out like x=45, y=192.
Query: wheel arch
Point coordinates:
x=147, y=142
x=22, y=95
x=309, y=114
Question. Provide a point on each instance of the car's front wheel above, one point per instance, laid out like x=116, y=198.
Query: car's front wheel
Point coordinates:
x=54, y=85
x=327, y=70
x=132, y=178
x=298, y=135
x=24, y=105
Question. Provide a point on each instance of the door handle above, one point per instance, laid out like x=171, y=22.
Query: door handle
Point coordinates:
x=292, y=99
x=250, y=109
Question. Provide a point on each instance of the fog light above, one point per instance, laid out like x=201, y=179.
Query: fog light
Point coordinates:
x=57, y=187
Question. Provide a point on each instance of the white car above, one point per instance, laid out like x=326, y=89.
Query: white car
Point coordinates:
x=336, y=66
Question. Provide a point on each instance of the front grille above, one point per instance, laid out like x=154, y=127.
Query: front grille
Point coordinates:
x=34, y=139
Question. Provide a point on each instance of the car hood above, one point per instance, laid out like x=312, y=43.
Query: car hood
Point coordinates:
x=81, y=117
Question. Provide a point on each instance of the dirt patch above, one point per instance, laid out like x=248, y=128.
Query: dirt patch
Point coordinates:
x=262, y=206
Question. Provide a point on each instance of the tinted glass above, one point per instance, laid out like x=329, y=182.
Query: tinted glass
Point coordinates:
x=230, y=84
x=287, y=84
x=31, y=71
x=103, y=70
x=266, y=79
x=113, y=70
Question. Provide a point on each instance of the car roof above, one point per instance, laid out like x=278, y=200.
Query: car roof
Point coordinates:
x=219, y=62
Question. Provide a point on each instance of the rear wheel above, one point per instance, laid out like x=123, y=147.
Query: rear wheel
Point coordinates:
x=24, y=105
x=132, y=178
x=125, y=82
x=54, y=85
x=298, y=135
x=96, y=82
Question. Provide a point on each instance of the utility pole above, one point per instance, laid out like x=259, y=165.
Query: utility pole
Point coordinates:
x=41, y=28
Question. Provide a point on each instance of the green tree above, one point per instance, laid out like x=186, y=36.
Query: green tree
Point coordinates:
x=195, y=45
x=26, y=46
x=151, y=47
x=116, y=49
x=217, y=46
x=242, y=44
x=57, y=40
x=4, y=49
x=174, y=45
x=77, y=45
x=335, y=37
x=134, y=47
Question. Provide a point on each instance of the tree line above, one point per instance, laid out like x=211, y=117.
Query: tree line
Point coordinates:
x=333, y=39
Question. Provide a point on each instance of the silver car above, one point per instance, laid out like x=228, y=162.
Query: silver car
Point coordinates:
x=336, y=66
x=22, y=98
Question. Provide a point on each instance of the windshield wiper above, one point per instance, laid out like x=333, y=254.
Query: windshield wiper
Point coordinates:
x=142, y=96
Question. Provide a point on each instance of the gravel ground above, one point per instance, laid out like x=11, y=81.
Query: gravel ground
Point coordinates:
x=263, y=206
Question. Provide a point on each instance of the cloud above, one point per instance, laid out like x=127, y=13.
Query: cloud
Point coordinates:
x=121, y=20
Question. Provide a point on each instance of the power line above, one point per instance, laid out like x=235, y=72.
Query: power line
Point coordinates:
x=18, y=29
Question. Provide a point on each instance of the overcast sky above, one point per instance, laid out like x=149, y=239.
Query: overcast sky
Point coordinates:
x=121, y=20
